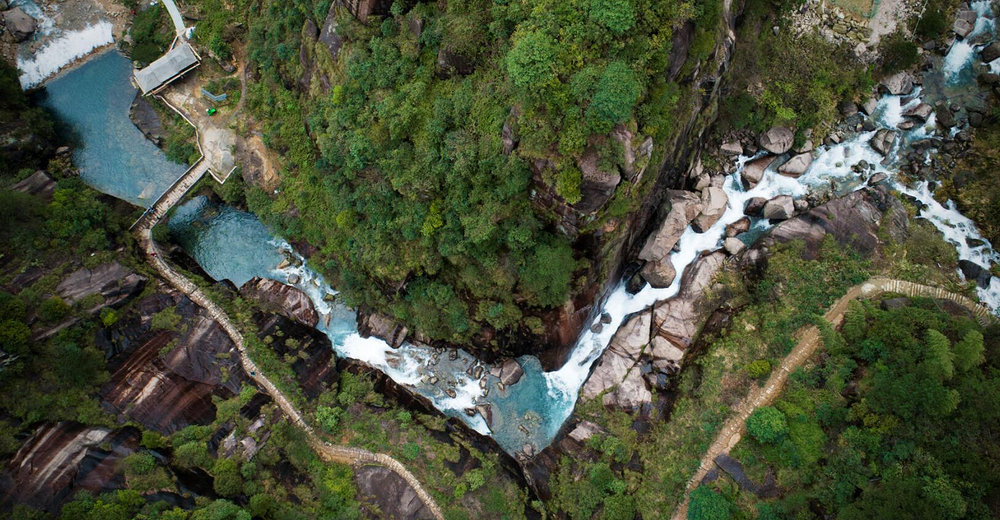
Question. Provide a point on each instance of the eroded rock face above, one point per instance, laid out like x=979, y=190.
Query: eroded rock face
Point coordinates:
x=777, y=140
x=679, y=319
x=64, y=458
x=684, y=207
x=854, y=219
x=286, y=300
x=393, y=496
x=113, y=281
x=617, y=368
x=597, y=185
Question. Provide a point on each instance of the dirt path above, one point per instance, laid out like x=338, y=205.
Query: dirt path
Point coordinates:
x=809, y=340
x=328, y=452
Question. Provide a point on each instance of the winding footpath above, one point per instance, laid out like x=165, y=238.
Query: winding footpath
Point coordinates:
x=328, y=452
x=809, y=341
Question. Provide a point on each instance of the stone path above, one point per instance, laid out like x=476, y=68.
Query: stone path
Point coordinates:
x=328, y=452
x=809, y=340
x=175, y=17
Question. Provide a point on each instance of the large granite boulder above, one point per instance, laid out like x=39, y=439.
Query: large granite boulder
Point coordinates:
x=381, y=326
x=965, y=22
x=684, y=207
x=796, y=166
x=510, y=372
x=284, y=299
x=777, y=140
x=883, y=141
x=618, y=369
x=113, y=281
x=678, y=319
x=753, y=171
x=19, y=24
x=920, y=111
x=713, y=206
x=781, y=207
x=390, y=493
x=990, y=52
x=62, y=459
x=899, y=84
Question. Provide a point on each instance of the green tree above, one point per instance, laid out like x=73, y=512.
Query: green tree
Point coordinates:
x=546, y=275
x=13, y=337
x=617, y=91
x=855, y=323
x=938, y=358
x=969, y=351
x=53, y=309
x=706, y=504
x=617, y=16
x=228, y=482
x=949, y=501
x=531, y=61
x=767, y=424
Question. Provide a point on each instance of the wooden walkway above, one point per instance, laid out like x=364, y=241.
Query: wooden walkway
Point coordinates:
x=809, y=341
x=328, y=452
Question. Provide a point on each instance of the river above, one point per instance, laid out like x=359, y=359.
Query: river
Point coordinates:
x=234, y=245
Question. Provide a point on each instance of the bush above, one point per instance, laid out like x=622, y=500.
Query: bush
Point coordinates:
x=153, y=441
x=328, y=417
x=759, y=368
x=53, y=309
x=932, y=24
x=767, y=424
x=167, y=319
x=708, y=505
x=228, y=482
x=411, y=451
x=898, y=53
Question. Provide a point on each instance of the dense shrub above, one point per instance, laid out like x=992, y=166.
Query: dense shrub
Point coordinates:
x=767, y=424
x=708, y=505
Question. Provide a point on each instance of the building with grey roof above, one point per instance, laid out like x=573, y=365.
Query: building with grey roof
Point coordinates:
x=167, y=68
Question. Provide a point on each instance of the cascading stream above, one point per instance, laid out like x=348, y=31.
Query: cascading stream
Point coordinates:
x=234, y=245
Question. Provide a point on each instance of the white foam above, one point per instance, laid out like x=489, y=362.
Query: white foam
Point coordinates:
x=62, y=51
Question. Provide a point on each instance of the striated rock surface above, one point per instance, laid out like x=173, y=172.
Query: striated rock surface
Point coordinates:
x=38, y=184
x=113, y=281
x=62, y=459
x=286, y=300
x=314, y=362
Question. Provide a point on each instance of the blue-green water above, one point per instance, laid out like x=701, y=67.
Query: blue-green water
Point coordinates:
x=113, y=155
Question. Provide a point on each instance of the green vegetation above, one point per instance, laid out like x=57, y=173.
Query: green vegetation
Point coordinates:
x=151, y=34
x=895, y=418
x=398, y=173
x=785, y=79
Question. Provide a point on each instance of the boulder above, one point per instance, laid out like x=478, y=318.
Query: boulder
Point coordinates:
x=869, y=106
x=921, y=111
x=847, y=108
x=753, y=171
x=584, y=430
x=382, y=326
x=883, y=140
x=713, y=201
x=740, y=226
x=684, y=207
x=796, y=166
x=596, y=185
x=19, y=24
x=617, y=364
x=283, y=299
x=754, y=206
x=731, y=148
x=733, y=246
x=38, y=184
x=509, y=132
x=510, y=372
x=975, y=273
x=390, y=493
x=944, y=117
x=451, y=63
x=877, y=178
x=899, y=84
x=632, y=336
x=990, y=52
x=781, y=207
x=965, y=22
x=113, y=281
x=777, y=140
